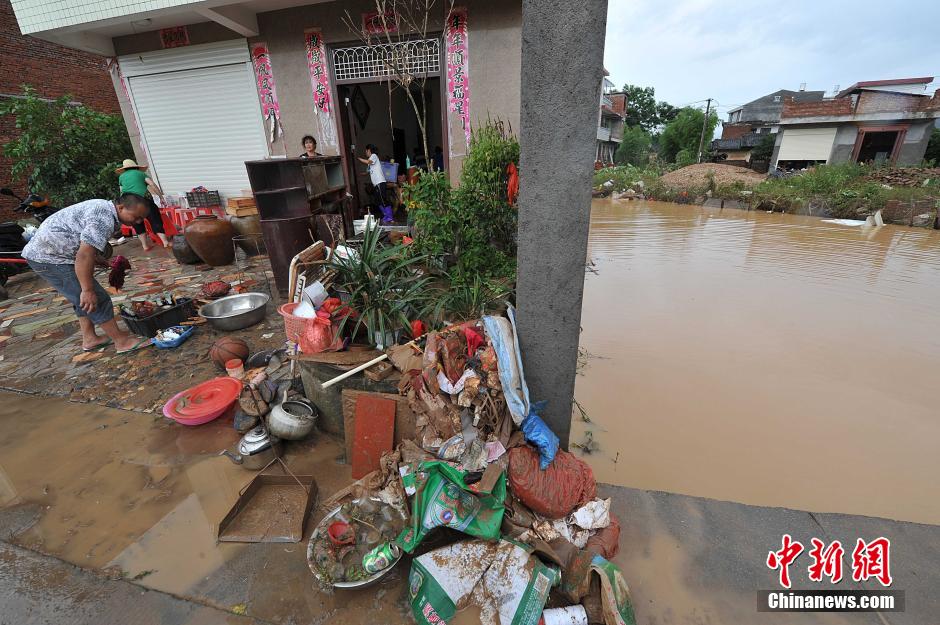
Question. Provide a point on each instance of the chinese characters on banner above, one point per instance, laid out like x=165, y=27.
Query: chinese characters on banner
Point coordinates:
x=320, y=83
x=271, y=111
x=372, y=23
x=175, y=37
x=869, y=560
x=458, y=68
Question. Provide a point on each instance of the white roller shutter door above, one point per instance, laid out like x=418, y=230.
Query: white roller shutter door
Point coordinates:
x=806, y=144
x=199, y=115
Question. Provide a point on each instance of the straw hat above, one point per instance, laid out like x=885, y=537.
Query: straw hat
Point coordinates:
x=129, y=163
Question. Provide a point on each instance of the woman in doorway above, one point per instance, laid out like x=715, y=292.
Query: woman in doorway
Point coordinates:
x=310, y=147
x=132, y=179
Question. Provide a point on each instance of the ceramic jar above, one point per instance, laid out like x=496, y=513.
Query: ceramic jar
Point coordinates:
x=211, y=238
x=183, y=253
x=249, y=228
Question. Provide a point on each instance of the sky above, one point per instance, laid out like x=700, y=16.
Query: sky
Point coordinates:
x=736, y=51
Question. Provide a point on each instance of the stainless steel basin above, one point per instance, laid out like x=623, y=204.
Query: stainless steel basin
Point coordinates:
x=236, y=311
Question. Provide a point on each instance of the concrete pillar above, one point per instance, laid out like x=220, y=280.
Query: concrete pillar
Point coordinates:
x=562, y=70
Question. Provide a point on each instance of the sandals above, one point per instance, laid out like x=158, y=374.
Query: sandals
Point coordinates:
x=140, y=345
x=98, y=347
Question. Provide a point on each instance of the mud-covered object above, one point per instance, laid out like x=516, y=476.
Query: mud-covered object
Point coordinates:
x=244, y=422
x=503, y=579
x=606, y=541
x=566, y=484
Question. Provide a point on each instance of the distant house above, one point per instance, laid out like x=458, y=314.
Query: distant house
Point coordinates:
x=880, y=121
x=749, y=123
x=613, y=108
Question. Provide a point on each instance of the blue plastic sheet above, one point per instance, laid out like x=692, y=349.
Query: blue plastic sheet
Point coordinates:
x=540, y=435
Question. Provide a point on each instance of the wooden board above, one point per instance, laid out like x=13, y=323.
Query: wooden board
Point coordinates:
x=347, y=359
x=404, y=417
x=374, y=433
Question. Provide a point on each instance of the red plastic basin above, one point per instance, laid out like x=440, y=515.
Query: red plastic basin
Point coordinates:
x=203, y=402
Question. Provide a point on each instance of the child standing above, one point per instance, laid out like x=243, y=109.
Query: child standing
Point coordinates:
x=379, y=185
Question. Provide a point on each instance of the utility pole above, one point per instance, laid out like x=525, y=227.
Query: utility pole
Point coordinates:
x=701, y=139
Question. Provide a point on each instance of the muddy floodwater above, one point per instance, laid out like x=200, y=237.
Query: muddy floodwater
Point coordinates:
x=767, y=359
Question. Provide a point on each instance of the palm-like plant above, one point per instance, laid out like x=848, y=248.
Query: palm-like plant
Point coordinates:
x=386, y=287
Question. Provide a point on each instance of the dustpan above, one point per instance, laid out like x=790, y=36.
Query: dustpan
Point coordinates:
x=271, y=509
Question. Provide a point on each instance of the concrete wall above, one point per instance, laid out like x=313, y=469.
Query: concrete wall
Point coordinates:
x=766, y=109
x=843, y=144
x=915, y=143
x=203, y=32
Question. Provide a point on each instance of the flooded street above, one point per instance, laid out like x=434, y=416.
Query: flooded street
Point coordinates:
x=766, y=359
x=140, y=498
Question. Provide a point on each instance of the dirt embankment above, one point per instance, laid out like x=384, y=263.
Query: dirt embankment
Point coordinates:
x=697, y=176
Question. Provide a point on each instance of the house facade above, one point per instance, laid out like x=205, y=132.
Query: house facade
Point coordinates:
x=748, y=124
x=206, y=85
x=27, y=61
x=610, y=123
x=882, y=121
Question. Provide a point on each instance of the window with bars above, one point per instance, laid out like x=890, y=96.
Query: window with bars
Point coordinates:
x=419, y=57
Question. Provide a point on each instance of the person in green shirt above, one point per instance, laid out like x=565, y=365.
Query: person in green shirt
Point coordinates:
x=133, y=179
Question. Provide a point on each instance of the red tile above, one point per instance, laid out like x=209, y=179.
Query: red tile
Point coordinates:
x=374, y=433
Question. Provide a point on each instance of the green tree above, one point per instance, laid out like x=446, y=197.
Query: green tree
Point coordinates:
x=683, y=133
x=763, y=150
x=67, y=151
x=933, y=147
x=635, y=148
x=643, y=110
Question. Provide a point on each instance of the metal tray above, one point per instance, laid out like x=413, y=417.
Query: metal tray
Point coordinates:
x=363, y=583
x=272, y=509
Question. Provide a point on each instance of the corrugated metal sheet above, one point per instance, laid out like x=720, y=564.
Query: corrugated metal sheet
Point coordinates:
x=200, y=125
x=806, y=144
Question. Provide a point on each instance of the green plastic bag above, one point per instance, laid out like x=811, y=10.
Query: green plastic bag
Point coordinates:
x=443, y=499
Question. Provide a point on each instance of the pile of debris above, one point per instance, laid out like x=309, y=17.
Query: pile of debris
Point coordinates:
x=532, y=541
x=904, y=176
x=699, y=176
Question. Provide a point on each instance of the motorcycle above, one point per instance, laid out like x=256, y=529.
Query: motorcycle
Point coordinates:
x=37, y=209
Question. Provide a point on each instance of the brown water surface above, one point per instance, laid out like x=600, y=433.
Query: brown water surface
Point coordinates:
x=768, y=359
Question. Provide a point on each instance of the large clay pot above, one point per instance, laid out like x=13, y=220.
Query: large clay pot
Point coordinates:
x=211, y=238
x=249, y=228
x=183, y=253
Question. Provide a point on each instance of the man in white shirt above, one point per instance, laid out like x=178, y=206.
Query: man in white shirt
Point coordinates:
x=62, y=252
x=379, y=184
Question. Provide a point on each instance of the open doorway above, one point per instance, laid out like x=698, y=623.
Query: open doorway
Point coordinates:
x=374, y=115
x=878, y=145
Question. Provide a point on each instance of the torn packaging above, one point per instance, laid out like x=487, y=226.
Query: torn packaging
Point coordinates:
x=504, y=579
x=444, y=499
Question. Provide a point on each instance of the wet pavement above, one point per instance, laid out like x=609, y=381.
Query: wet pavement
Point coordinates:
x=137, y=498
x=40, y=349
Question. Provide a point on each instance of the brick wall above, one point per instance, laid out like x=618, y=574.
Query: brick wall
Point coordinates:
x=619, y=101
x=734, y=131
x=53, y=71
x=825, y=108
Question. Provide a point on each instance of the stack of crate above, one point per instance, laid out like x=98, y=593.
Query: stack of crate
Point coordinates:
x=241, y=206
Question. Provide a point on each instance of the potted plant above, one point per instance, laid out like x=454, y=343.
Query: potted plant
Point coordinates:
x=386, y=287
